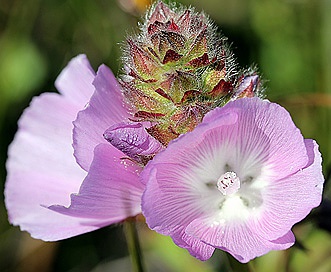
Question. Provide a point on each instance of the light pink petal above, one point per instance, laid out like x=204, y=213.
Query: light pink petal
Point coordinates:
x=172, y=181
x=167, y=204
x=249, y=136
x=290, y=199
x=236, y=238
x=42, y=170
x=111, y=192
x=195, y=247
x=75, y=81
x=105, y=108
x=266, y=135
x=133, y=140
x=171, y=217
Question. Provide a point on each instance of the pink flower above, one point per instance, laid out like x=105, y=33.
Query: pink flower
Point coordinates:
x=42, y=168
x=238, y=182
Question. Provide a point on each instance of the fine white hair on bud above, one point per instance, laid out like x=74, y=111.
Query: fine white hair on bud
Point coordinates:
x=178, y=68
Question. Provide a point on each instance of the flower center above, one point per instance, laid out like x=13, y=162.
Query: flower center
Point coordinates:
x=228, y=183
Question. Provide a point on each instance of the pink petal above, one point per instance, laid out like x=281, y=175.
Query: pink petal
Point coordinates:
x=75, y=81
x=289, y=200
x=133, y=140
x=42, y=170
x=249, y=136
x=160, y=203
x=195, y=247
x=267, y=135
x=171, y=184
x=111, y=192
x=236, y=238
x=105, y=108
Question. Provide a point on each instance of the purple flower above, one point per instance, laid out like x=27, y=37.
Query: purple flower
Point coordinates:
x=44, y=167
x=238, y=182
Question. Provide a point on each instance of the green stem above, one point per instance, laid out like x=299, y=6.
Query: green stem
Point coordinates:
x=239, y=267
x=132, y=239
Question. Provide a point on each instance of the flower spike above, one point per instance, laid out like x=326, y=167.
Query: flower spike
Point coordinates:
x=178, y=54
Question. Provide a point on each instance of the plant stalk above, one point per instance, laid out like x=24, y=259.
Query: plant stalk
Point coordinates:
x=134, y=248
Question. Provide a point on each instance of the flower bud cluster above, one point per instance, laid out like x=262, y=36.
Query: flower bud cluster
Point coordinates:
x=178, y=69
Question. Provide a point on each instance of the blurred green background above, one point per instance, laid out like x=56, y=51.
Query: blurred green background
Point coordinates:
x=290, y=42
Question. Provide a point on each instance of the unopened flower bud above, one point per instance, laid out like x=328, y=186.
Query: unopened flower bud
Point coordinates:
x=178, y=69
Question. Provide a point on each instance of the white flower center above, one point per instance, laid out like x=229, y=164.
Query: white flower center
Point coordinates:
x=228, y=183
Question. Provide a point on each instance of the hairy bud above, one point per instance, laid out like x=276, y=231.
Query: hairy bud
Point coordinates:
x=177, y=69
